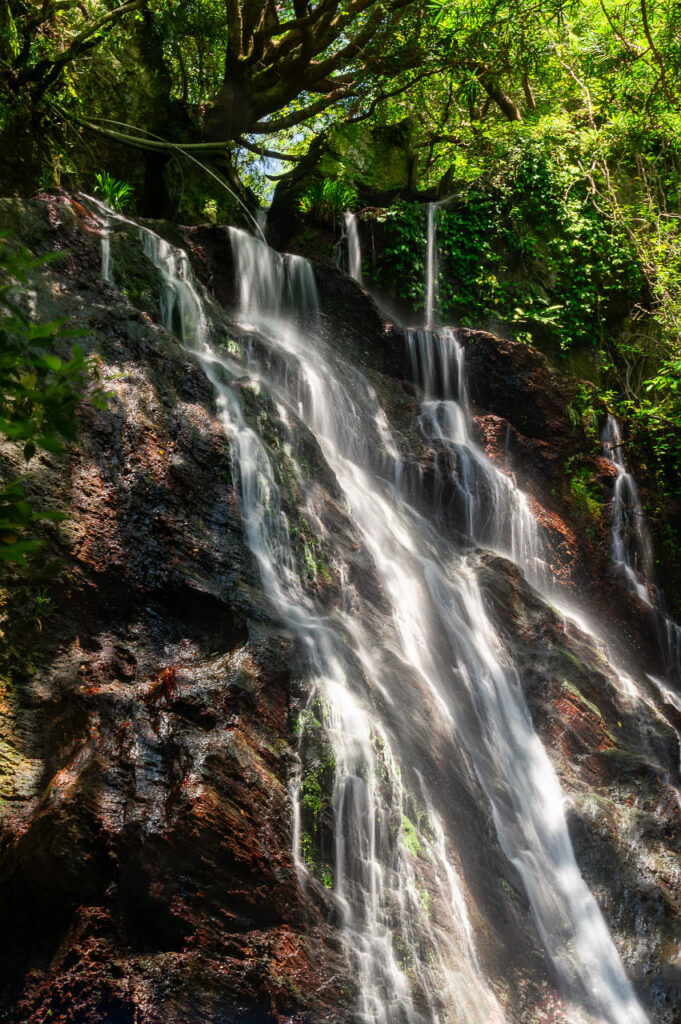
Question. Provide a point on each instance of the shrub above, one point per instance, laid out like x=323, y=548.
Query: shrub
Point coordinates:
x=116, y=194
x=39, y=394
x=328, y=198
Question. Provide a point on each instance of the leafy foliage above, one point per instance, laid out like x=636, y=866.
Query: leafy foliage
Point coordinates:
x=39, y=394
x=510, y=248
x=328, y=198
x=116, y=194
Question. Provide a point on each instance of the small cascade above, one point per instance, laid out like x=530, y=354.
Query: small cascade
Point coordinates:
x=107, y=275
x=271, y=282
x=487, y=505
x=430, y=690
x=354, y=249
x=632, y=548
x=106, y=223
x=431, y=266
x=105, y=249
x=495, y=513
x=673, y=647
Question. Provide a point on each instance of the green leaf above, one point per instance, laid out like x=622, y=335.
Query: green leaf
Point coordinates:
x=16, y=552
x=52, y=362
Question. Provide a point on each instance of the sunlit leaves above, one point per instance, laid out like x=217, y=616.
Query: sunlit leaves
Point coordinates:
x=43, y=378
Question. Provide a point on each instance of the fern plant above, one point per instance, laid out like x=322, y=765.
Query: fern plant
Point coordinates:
x=116, y=194
x=328, y=198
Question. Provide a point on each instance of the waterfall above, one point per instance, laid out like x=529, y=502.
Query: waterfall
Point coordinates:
x=490, y=508
x=457, y=663
x=377, y=885
x=105, y=246
x=430, y=690
x=431, y=266
x=272, y=282
x=354, y=249
x=632, y=548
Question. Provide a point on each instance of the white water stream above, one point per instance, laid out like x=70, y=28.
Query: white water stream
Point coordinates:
x=489, y=507
x=354, y=250
x=632, y=548
x=434, y=685
x=431, y=266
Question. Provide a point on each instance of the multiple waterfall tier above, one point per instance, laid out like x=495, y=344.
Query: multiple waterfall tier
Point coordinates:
x=407, y=683
x=632, y=549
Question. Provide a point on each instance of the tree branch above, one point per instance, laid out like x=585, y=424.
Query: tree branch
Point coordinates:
x=292, y=29
x=388, y=95
x=261, y=151
x=82, y=41
x=484, y=75
x=235, y=32
x=155, y=144
x=325, y=32
x=529, y=95
x=629, y=47
x=297, y=116
x=656, y=54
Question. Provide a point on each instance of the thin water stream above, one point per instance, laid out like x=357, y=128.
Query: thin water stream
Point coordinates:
x=354, y=249
x=632, y=549
x=432, y=685
x=431, y=266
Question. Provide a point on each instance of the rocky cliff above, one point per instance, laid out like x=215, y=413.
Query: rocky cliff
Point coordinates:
x=150, y=724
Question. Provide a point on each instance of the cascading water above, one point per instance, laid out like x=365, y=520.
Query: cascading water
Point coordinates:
x=105, y=245
x=376, y=876
x=632, y=549
x=489, y=507
x=431, y=266
x=433, y=686
x=280, y=283
x=458, y=663
x=497, y=514
x=376, y=880
x=354, y=250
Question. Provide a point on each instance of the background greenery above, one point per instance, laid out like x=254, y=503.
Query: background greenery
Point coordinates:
x=549, y=131
x=40, y=391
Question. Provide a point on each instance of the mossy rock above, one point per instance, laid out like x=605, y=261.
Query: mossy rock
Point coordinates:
x=378, y=159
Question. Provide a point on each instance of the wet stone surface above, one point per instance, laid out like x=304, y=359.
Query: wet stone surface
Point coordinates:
x=148, y=730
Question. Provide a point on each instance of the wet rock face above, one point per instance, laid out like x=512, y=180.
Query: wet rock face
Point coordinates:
x=616, y=751
x=526, y=421
x=147, y=729
x=145, y=751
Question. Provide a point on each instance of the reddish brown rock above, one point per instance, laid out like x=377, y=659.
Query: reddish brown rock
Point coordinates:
x=146, y=819
x=146, y=731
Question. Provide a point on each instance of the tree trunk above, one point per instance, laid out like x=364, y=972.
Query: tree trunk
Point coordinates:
x=529, y=95
x=496, y=93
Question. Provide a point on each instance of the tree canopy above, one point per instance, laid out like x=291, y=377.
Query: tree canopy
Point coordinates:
x=554, y=125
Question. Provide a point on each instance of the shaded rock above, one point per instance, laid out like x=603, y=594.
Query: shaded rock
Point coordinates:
x=146, y=819
x=147, y=736
x=616, y=755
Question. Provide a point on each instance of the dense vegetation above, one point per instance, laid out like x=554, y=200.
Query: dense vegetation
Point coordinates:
x=40, y=393
x=551, y=129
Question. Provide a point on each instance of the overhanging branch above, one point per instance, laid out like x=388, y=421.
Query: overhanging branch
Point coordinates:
x=298, y=116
